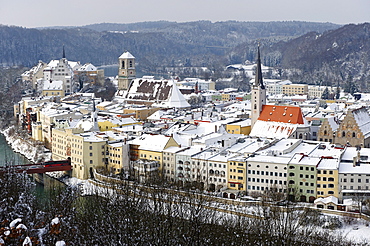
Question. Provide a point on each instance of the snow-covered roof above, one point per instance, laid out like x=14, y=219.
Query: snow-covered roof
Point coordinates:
x=87, y=67
x=362, y=118
x=151, y=142
x=126, y=55
x=176, y=99
x=345, y=168
x=302, y=159
x=270, y=129
x=53, y=85
x=327, y=200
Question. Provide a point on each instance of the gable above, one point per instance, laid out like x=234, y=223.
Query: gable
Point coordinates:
x=283, y=114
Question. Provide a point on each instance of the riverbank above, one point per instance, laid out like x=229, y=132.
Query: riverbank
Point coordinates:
x=24, y=145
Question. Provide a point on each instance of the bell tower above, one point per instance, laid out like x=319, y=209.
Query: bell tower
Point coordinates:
x=258, y=94
x=126, y=70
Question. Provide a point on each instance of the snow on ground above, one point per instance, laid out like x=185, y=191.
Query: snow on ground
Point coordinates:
x=359, y=231
x=26, y=147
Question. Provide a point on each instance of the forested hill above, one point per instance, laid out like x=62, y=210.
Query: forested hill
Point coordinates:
x=336, y=56
x=321, y=53
x=153, y=43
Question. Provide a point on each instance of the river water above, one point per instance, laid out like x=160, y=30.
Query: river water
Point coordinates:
x=8, y=156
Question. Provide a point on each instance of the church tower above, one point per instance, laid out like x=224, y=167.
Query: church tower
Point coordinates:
x=126, y=70
x=258, y=94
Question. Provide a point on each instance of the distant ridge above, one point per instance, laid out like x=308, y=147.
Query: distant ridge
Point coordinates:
x=318, y=53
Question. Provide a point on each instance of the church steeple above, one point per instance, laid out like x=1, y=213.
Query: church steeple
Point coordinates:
x=64, y=52
x=258, y=81
x=258, y=93
x=94, y=118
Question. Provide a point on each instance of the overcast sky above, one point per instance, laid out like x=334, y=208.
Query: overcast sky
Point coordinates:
x=39, y=13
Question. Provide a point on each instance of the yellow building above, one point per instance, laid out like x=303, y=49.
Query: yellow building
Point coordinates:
x=225, y=97
x=239, y=127
x=86, y=150
x=151, y=147
x=141, y=113
x=107, y=123
x=53, y=88
x=328, y=177
x=117, y=157
x=295, y=89
x=37, y=131
x=237, y=174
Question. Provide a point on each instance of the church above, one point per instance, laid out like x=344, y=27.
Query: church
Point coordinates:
x=146, y=90
x=274, y=121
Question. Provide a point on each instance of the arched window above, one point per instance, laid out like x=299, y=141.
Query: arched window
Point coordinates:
x=325, y=132
x=123, y=64
x=343, y=134
x=255, y=106
x=130, y=63
x=300, y=136
x=353, y=134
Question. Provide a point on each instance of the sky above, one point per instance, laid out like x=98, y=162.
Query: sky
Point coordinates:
x=43, y=13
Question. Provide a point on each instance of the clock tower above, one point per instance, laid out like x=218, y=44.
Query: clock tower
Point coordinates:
x=126, y=70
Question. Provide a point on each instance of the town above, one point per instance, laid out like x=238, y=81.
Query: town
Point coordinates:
x=307, y=143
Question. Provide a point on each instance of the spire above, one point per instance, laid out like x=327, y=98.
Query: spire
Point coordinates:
x=64, y=52
x=258, y=79
x=94, y=118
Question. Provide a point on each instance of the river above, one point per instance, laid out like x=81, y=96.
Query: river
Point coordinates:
x=8, y=156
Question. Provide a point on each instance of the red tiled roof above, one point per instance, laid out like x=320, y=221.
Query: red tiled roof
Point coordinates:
x=286, y=114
